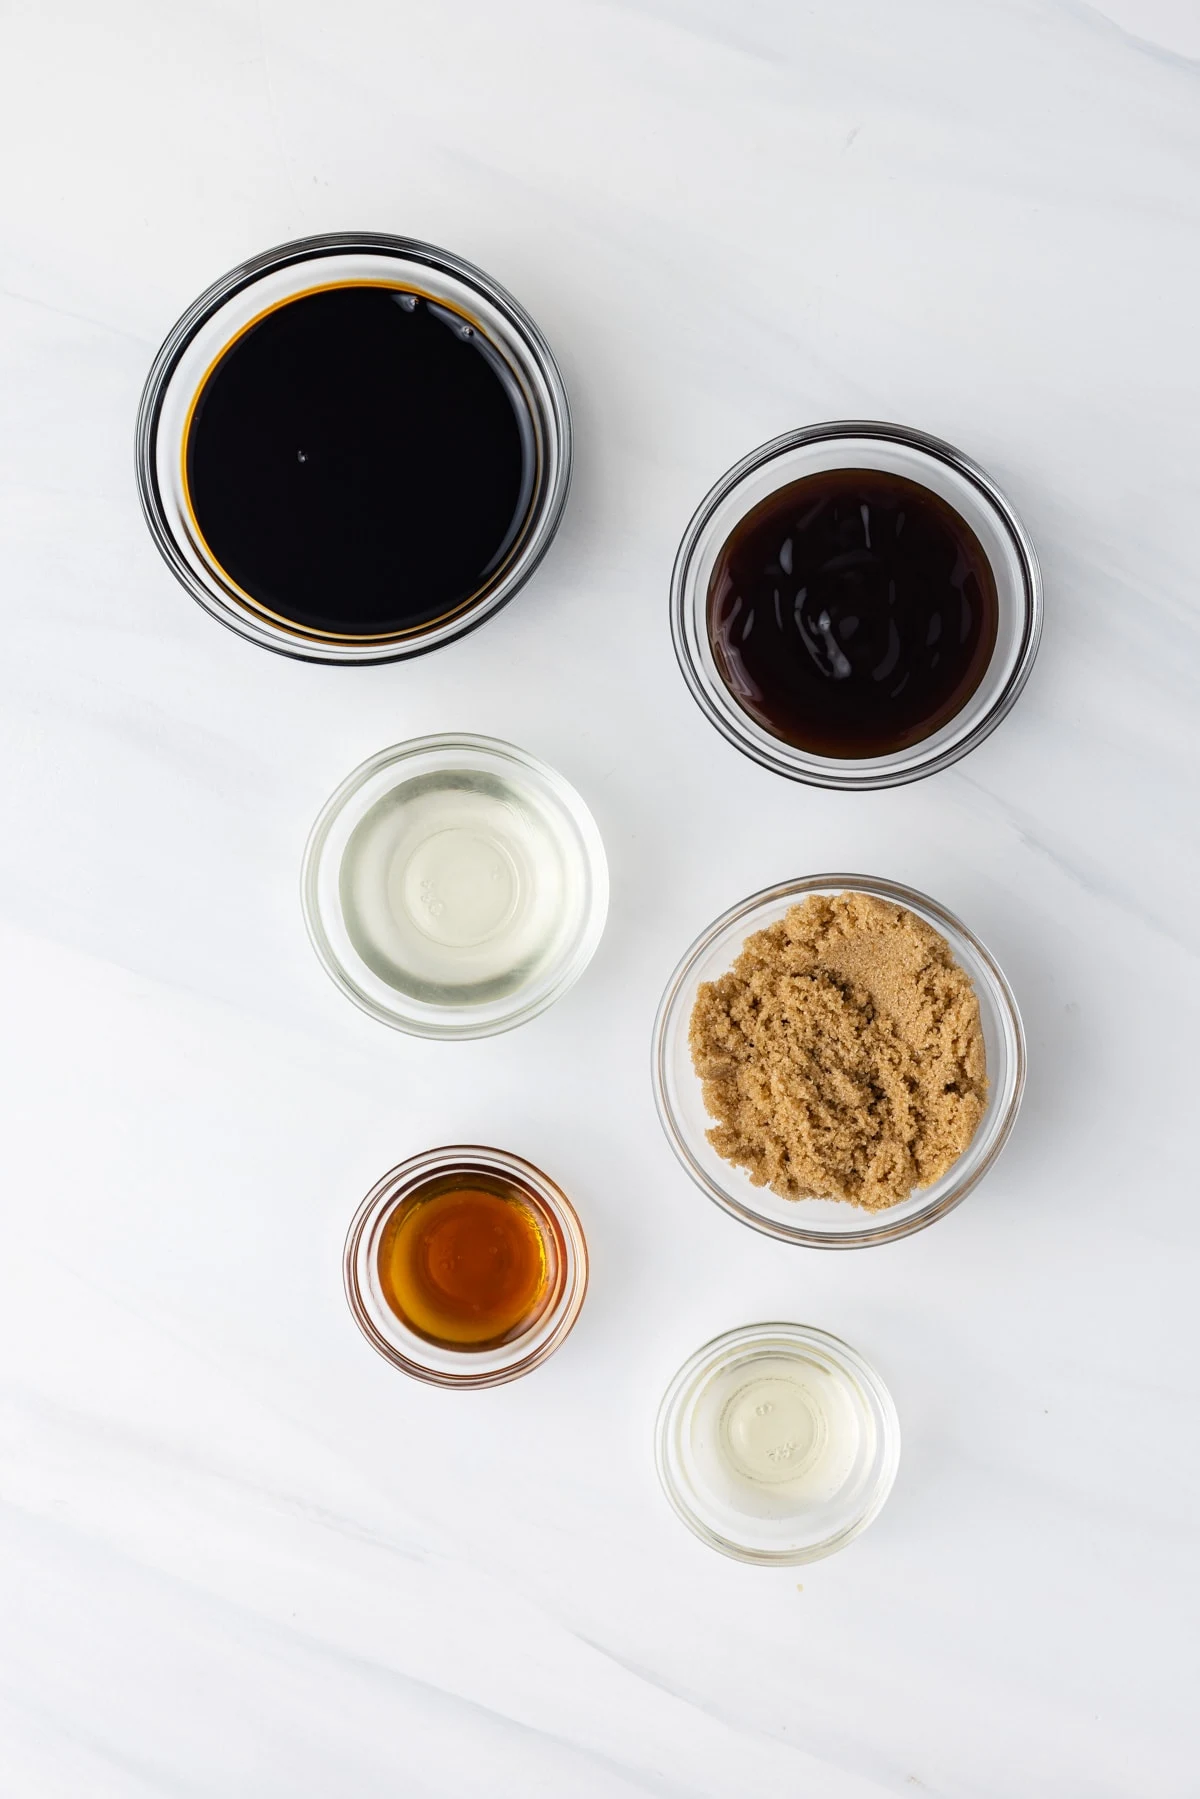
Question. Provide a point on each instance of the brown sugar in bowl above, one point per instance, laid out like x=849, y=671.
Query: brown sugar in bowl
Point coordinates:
x=893, y=1181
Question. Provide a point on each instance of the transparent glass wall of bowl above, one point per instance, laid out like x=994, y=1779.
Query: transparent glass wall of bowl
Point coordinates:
x=430, y=1362
x=232, y=303
x=830, y=1224
x=772, y=1527
x=584, y=885
x=860, y=445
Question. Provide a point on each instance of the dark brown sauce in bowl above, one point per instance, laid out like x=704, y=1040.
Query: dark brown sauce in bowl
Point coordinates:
x=360, y=462
x=852, y=613
x=353, y=448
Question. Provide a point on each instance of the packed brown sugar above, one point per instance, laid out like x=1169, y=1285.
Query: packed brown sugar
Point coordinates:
x=842, y=1055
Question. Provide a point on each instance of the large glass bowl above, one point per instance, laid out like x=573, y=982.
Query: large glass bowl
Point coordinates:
x=236, y=301
x=828, y=1223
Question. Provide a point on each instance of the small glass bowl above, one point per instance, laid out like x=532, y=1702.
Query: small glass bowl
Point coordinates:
x=233, y=303
x=829, y=1223
x=584, y=884
x=860, y=444
x=769, y=1524
x=441, y=1366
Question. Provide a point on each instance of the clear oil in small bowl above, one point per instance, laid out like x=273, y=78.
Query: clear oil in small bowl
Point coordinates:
x=454, y=886
x=777, y=1443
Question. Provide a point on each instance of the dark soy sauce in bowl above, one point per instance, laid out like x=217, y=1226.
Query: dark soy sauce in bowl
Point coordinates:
x=360, y=462
x=852, y=613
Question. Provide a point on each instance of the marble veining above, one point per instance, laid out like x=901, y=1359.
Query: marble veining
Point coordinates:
x=239, y=1555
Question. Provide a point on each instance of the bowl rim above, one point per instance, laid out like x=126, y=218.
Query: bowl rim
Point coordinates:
x=745, y=1337
x=779, y=756
x=744, y=910
x=593, y=849
x=393, y=1186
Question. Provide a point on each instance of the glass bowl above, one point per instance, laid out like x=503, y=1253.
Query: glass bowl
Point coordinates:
x=809, y=1418
x=861, y=444
x=827, y=1223
x=232, y=304
x=566, y=859
x=436, y=1364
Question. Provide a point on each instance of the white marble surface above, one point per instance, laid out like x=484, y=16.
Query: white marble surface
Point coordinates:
x=238, y=1554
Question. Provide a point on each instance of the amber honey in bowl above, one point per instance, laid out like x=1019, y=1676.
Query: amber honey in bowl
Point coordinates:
x=466, y=1266
x=470, y=1260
